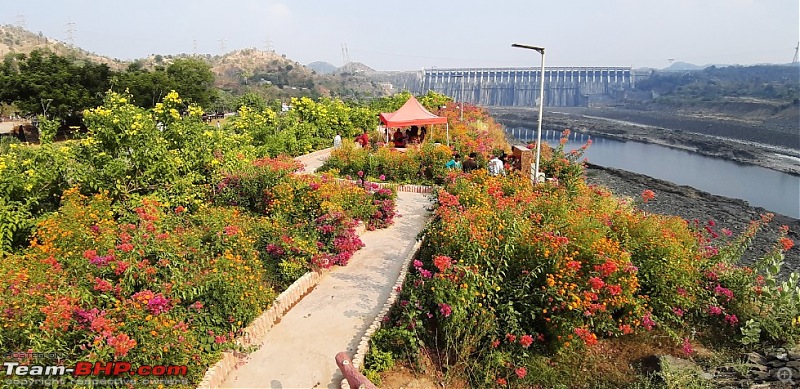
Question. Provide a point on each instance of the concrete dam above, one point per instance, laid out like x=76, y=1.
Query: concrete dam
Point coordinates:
x=563, y=86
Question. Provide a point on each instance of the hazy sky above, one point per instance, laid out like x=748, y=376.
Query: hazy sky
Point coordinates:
x=415, y=34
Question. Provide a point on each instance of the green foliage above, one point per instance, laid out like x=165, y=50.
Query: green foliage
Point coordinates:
x=43, y=81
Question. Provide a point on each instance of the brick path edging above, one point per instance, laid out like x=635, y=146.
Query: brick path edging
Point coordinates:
x=397, y=187
x=253, y=333
x=363, y=345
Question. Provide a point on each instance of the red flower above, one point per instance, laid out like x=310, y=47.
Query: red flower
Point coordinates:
x=526, y=341
x=180, y=209
x=786, y=243
x=648, y=195
x=502, y=381
x=596, y=283
x=442, y=262
x=511, y=338
x=521, y=372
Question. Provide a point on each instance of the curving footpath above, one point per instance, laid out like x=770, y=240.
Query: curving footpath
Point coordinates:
x=299, y=351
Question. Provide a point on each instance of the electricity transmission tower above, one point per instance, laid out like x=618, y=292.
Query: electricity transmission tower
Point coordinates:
x=71, y=33
x=796, y=50
x=222, y=46
x=268, y=45
x=345, y=54
x=21, y=20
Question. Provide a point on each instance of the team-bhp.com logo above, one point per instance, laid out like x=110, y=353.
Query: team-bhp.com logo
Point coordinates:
x=89, y=369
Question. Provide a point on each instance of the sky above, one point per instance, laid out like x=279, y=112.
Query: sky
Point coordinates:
x=424, y=34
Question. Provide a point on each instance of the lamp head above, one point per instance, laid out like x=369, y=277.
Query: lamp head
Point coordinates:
x=537, y=48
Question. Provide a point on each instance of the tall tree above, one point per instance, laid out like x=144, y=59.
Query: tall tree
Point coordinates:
x=43, y=81
x=193, y=80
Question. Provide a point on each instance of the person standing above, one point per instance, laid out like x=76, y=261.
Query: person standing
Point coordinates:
x=337, y=141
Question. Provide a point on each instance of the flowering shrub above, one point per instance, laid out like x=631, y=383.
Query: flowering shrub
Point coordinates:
x=157, y=286
x=308, y=221
x=509, y=272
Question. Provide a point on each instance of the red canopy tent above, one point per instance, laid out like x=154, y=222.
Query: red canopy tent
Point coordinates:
x=412, y=113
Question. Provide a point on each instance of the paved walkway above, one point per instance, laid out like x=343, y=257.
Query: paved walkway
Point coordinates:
x=298, y=352
x=314, y=160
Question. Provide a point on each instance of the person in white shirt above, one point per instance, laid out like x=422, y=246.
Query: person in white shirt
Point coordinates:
x=337, y=141
x=495, y=167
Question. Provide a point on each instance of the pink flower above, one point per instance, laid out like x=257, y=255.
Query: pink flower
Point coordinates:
x=360, y=173
x=677, y=311
x=647, y=322
x=521, y=372
x=731, y=319
x=445, y=309
x=714, y=310
x=425, y=273
x=417, y=263
x=382, y=177
x=687, y=347
x=720, y=291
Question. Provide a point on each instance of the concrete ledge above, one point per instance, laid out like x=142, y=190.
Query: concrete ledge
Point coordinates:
x=397, y=187
x=363, y=345
x=253, y=333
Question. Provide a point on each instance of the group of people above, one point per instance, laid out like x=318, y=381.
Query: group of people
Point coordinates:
x=413, y=135
x=362, y=140
x=498, y=163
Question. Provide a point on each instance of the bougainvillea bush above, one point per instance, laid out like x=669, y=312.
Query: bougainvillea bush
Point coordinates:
x=509, y=273
x=307, y=221
x=157, y=287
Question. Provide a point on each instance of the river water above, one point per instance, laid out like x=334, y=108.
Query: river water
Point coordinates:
x=770, y=189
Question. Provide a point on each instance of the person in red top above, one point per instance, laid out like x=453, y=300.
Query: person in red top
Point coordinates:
x=363, y=139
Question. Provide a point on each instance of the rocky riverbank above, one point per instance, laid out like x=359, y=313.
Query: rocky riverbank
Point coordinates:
x=672, y=199
x=770, y=146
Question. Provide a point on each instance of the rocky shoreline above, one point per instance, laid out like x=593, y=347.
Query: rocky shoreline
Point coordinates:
x=683, y=201
x=771, y=148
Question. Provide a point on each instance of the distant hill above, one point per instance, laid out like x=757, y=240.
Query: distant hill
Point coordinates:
x=682, y=66
x=322, y=67
x=236, y=72
x=355, y=68
x=15, y=39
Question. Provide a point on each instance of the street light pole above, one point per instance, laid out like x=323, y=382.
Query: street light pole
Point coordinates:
x=462, y=98
x=541, y=105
